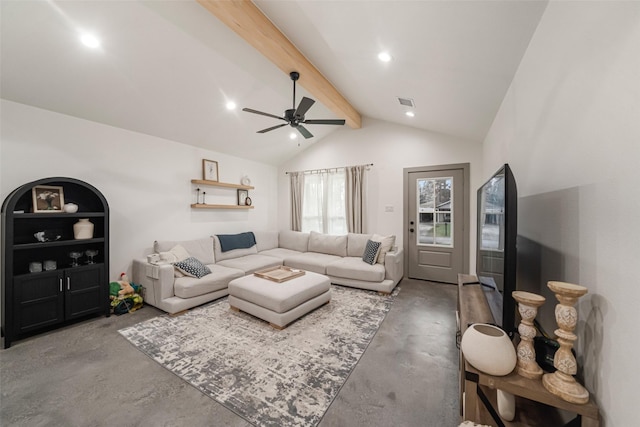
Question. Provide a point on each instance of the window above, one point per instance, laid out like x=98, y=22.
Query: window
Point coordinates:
x=323, y=202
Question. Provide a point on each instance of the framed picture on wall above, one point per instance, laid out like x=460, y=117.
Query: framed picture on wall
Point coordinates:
x=47, y=198
x=242, y=197
x=209, y=170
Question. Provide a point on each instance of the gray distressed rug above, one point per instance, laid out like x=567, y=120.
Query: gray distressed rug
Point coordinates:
x=268, y=377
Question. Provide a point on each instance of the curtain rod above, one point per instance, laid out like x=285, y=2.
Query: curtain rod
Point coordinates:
x=328, y=169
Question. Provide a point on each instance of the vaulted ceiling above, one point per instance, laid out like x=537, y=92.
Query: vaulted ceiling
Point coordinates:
x=168, y=68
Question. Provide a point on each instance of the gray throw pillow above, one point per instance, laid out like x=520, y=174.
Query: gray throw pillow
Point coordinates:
x=371, y=251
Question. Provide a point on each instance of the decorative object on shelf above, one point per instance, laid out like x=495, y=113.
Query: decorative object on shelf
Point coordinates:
x=245, y=181
x=91, y=253
x=506, y=405
x=70, y=208
x=528, y=304
x=83, y=229
x=248, y=201
x=197, y=195
x=204, y=195
x=35, y=267
x=242, y=197
x=209, y=170
x=562, y=383
x=488, y=349
x=47, y=236
x=50, y=264
x=75, y=256
x=47, y=198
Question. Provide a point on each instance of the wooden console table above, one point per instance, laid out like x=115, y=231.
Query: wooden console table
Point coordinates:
x=535, y=406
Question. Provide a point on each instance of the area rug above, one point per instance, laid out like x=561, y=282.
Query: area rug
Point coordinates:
x=266, y=376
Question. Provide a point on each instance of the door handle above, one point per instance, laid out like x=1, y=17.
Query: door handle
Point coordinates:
x=68, y=283
x=61, y=284
x=411, y=230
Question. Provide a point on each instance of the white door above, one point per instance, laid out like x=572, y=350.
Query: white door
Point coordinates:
x=437, y=245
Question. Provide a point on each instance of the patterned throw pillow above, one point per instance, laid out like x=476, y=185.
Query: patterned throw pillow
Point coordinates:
x=192, y=267
x=371, y=252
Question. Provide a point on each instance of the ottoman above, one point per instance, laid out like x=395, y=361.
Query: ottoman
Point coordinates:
x=279, y=303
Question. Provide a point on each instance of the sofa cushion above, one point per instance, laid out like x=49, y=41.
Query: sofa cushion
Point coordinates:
x=371, y=252
x=201, y=249
x=294, y=240
x=356, y=243
x=328, y=244
x=266, y=240
x=280, y=253
x=251, y=263
x=311, y=261
x=235, y=253
x=387, y=244
x=192, y=267
x=355, y=268
x=189, y=287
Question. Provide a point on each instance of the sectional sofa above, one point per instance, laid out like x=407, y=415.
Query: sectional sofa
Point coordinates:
x=338, y=257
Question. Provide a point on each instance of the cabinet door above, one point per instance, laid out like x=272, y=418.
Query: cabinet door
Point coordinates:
x=85, y=291
x=38, y=300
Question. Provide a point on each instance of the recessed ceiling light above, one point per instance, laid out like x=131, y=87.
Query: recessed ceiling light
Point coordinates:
x=231, y=105
x=293, y=135
x=410, y=114
x=90, y=40
x=384, y=57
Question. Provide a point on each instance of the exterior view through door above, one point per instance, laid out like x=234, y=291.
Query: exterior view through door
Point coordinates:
x=437, y=222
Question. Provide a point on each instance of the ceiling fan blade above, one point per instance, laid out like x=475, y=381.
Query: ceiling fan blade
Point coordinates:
x=271, y=128
x=304, y=131
x=304, y=106
x=325, y=122
x=249, y=110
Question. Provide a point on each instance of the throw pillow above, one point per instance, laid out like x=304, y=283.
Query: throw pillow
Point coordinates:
x=192, y=267
x=175, y=254
x=387, y=244
x=371, y=251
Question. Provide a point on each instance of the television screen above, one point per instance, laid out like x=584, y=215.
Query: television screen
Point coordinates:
x=496, y=245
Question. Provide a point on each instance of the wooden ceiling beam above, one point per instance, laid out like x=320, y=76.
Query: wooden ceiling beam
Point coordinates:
x=244, y=17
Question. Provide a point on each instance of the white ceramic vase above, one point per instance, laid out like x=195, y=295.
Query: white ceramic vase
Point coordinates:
x=70, y=208
x=488, y=349
x=83, y=229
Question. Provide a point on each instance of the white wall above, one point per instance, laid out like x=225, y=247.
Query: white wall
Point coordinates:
x=570, y=128
x=390, y=148
x=146, y=180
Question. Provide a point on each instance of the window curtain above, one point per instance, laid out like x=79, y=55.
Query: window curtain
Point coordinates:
x=296, y=180
x=355, y=198
x=323, y=207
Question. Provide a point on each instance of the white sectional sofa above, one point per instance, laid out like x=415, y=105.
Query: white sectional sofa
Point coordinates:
x=338, y=257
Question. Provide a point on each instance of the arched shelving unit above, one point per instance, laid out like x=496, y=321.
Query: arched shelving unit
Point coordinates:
x=34, y=301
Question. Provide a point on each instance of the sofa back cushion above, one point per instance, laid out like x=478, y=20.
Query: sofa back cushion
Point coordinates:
x=201, y=249
x=356, y=244
x=294, y=240
x=235, y=253
x=266, y=240
x=328, y=244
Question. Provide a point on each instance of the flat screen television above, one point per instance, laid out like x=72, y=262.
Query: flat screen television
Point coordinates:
x=496, y=250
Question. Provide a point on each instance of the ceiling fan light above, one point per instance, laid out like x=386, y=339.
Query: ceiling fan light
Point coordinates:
x=410, y=114
x=231, y=105
x=293, y=135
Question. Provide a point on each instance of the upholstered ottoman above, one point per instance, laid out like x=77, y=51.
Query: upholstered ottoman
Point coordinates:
x=279, y=303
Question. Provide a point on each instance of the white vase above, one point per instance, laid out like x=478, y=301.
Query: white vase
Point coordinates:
x=83, y=229
x=488, y=349
x=70, y=208
x=506, y=405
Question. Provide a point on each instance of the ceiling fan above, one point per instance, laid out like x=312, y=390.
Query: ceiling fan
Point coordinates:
x=295, y=116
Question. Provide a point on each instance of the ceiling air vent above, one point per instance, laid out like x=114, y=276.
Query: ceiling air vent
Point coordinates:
x=407, y=102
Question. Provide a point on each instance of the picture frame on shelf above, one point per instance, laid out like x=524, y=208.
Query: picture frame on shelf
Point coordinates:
x=210, y=170
x=47, y=198
x=242, y=197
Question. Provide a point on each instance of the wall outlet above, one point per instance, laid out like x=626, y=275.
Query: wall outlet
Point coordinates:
x=388, y=208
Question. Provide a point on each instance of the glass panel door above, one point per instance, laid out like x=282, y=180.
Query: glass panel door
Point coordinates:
x=435, y=211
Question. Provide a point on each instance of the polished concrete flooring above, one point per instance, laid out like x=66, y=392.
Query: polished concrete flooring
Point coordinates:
x=88, y=375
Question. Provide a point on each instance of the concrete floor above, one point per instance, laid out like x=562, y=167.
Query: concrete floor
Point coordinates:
x=88, y=375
